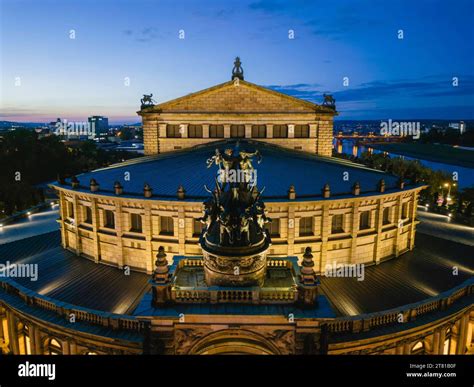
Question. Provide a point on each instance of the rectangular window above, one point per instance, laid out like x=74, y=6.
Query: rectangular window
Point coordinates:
x=259, y=131
x=280, y=131
x=306, y=226
x=109, y=219
x=301, y=131
x=197, y=228
x=70, y=210
x=364, y=220
x=136, y=222
x=173, y=131
x=87, y=215
x=195, y=131
x=237, y=131
x=405, y=207
x=337, y=224
x=386, y=215
x=274, y=228
x=166, y=225
x=216, y=131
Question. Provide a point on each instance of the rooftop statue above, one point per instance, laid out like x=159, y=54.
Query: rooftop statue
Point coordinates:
x=329, y=101
x=235, y=162
x=147, y=100
x=237, y=71
x=234, y=217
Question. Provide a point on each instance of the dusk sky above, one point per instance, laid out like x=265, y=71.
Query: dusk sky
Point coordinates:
x=45, y=74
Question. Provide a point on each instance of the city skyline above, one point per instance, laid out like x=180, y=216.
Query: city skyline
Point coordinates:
x=126, y=42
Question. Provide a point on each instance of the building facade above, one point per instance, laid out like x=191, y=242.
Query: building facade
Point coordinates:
x=358, y=228
x=23, y=332
x=237, y=109
x=121, y=216
x=126, y=231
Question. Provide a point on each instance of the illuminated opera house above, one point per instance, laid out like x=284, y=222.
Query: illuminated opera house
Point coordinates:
x=169, y=254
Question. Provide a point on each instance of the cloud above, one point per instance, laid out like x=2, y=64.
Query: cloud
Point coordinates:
x=269, y=6
x=144, y=35
x=427, y=87
x=340, y=24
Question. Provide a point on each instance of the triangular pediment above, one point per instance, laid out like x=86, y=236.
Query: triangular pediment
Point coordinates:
x=233, y=97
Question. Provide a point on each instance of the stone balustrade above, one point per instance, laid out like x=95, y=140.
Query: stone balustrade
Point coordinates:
x=364, y=322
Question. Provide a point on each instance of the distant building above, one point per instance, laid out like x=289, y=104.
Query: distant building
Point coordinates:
x=99, y=124
x=461, y=126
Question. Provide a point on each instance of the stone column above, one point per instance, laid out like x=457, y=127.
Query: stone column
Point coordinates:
x=147, y=230
x=412, y=220
x=119, y=229
x=462, y=329
x=291, y=131
x=313, y=130
x=181, y=230
x=65, y=346
x=3, y=334
x=435, y=347
x=354, y=230
x=406, y=348
x=378, y=226
x=62, y=214
x=399, y=348
x=162, y=130
x=291, y=229
x=95, y=228
x=38, y=342
x=72, y=348
x=248, y=131
x=442, y=338
x=325, y=136
x=32, y=336
x=183, y=129
x=325, y=232
x=398, y=217
x=77, y=220
x=13, y=333
x=150, y=136
x=205, y=130
x=226, y=131
x=270, y=131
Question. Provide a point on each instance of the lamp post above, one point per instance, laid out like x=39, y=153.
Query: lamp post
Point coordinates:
x=448, y=195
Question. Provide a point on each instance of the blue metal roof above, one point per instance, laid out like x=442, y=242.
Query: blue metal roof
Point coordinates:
x=279, y=169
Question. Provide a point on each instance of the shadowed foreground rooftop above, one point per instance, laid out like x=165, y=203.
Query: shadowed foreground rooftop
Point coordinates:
x=415, y=276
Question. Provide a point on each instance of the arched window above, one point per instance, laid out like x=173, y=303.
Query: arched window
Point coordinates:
x=53, y=347
x=418, y=348
x=24, y=342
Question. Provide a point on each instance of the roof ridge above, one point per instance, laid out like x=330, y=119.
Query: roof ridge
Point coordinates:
x=309, y=104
